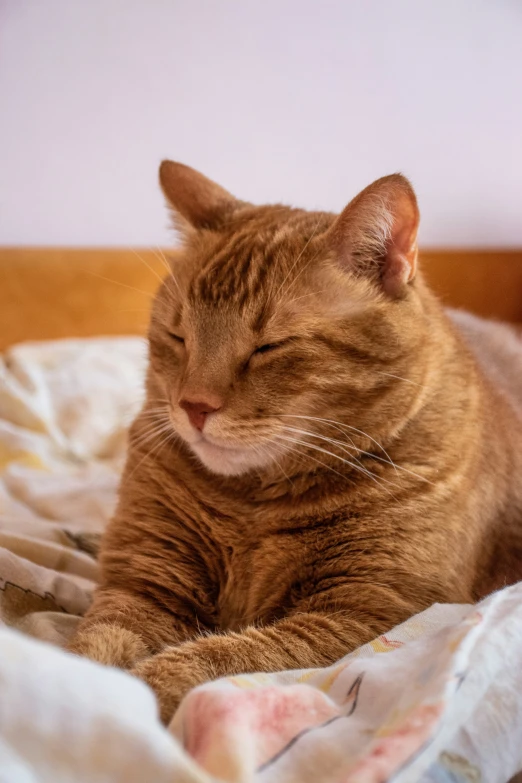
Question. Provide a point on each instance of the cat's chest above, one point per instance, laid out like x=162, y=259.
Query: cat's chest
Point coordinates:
x=267, y=560
x=258, y=579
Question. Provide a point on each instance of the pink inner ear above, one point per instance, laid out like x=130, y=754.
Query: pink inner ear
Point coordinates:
x=377, y=233
x=400, y=264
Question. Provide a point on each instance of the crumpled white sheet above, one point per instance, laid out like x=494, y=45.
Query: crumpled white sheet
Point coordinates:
x=444, y=707
x=65, y=407
x=436, y=700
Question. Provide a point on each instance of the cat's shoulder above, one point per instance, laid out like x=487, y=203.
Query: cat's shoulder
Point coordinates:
x=497, y=348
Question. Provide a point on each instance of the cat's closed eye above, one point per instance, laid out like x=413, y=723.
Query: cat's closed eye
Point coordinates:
x=269, y=347
x=177, y=338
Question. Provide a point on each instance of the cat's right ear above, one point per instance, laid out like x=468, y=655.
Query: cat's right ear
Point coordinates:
x=195, y=200
x=375, y=236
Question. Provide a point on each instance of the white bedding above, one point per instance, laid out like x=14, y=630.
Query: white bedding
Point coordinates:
x=442, y=705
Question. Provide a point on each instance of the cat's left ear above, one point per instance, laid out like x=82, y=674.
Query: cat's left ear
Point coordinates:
x=196, y=201
x=376, y=234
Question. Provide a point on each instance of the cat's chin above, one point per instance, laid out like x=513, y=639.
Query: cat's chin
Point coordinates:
x=228, y=461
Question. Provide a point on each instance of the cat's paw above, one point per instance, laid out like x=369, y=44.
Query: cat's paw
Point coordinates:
x=169, y=677
x=111, y=645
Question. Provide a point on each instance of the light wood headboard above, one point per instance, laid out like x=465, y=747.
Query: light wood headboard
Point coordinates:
x=48, y=293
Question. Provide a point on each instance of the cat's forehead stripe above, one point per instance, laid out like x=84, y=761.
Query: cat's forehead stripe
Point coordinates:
x=248, y=262
x=235, y=271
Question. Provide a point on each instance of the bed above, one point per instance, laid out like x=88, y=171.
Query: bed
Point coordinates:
x=435, y=700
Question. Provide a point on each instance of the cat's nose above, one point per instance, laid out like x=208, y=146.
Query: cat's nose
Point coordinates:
x=197, y=411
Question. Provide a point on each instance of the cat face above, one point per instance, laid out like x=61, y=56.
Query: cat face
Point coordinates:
x=275, y=331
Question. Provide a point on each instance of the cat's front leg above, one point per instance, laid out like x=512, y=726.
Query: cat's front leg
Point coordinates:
x=123, y=627
x=156, y=588
x=301, y=641
x=320, y=630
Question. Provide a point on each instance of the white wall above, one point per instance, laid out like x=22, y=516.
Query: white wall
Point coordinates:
x=304, y=101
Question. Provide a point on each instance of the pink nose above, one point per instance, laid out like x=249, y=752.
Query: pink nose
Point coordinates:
x=197, y=412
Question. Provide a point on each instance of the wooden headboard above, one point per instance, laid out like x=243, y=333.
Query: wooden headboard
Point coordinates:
x=47, y=293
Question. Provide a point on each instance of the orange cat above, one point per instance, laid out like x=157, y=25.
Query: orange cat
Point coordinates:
x=319, y=455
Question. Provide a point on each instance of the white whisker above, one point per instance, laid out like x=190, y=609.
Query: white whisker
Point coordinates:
x=117, y=282
x=285, y=474
x=344, y=426
x=154, y=450
x=387, y=461
x=143, y=261
x=150, y=434
x=341, y=459
x=161, y=256
x=154, y=411
x=312, y=293
x=400, y=378
x=343, y=446
x=304, y=456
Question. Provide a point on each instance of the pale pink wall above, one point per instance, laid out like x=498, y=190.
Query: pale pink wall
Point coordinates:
x=303, y=101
